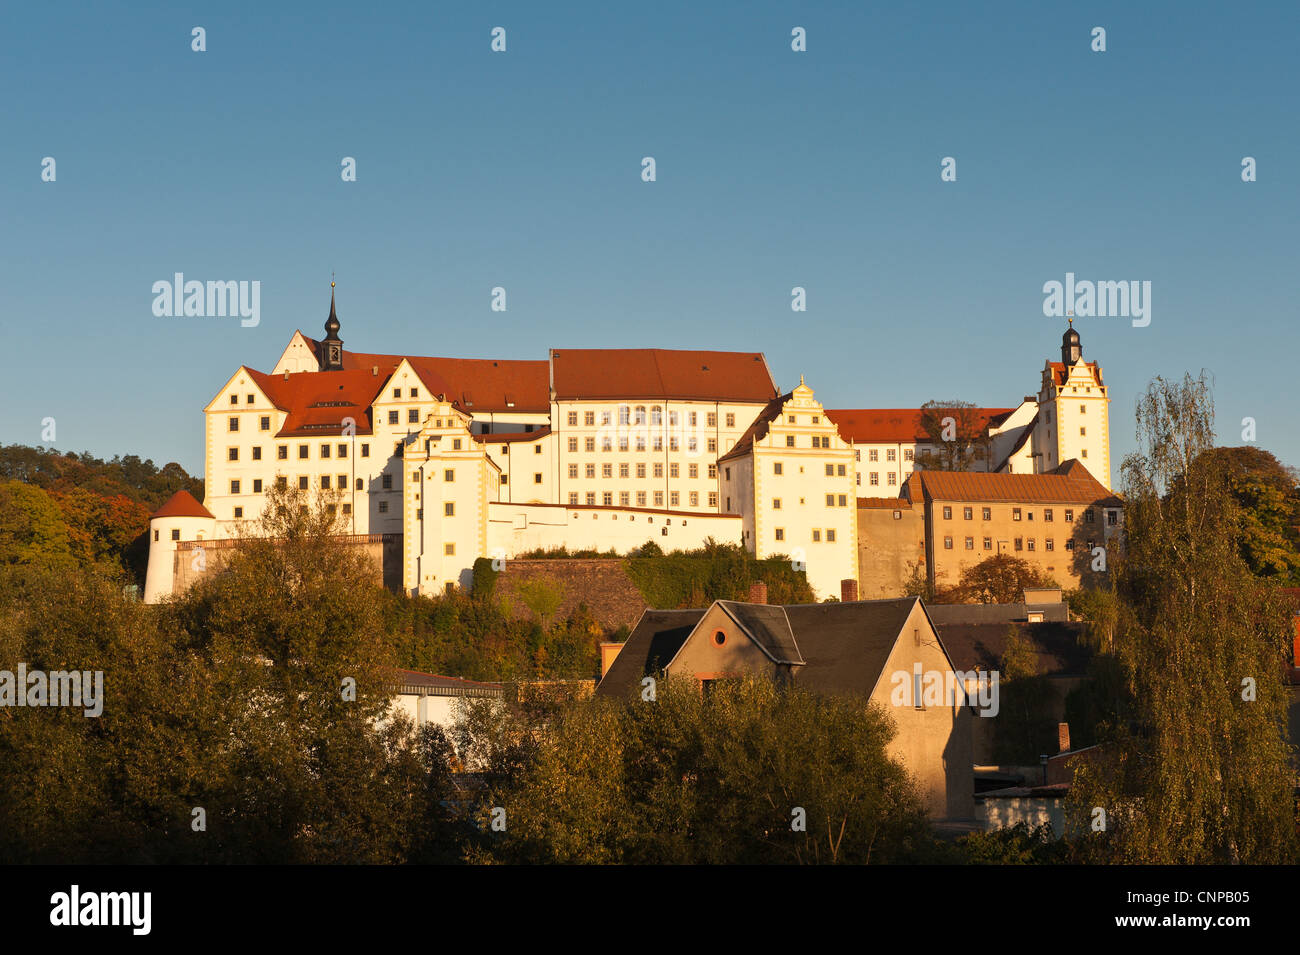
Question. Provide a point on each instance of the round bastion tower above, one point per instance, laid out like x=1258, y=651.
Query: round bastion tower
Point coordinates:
x=181, y=519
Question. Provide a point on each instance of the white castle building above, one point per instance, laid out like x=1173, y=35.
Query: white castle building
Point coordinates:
x=589, y=449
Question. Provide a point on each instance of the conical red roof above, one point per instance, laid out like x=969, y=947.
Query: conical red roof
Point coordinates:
x=181, y=504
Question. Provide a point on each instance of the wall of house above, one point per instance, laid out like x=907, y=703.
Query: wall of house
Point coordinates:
x=890, y=541
x=1002, y=812
x=737, y=655
x=933, y=742
x=519, y=528
x=383, y=550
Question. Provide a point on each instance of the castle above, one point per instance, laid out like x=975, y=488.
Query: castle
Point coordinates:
x=445, y=460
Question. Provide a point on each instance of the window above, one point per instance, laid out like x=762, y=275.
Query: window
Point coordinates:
x=397, y=392
x=573, y=419
x=281, y=481
x=988, y=543
x=947, y=513
x=304, y=482
x=817, y=535
x=449, y=509
x=970, y=543
x=830, y=470
x=875, y=479
x=412, y=415
x=891, y=455
x=622, y=443
x=1083, y=432
x=640, y=498
x=1069, y=544
x=713, y=499
x=776, y=504
x=589, y=444
x=386, y=481
x=607, y=444
x=624, y=498
x=1015, y=515
x=591, y=498
x=393, y=417
x=342, y=483
x=343, y=451
x=176, y=534
x=383, y=507
x=673, y=471
x=607, y=498
x=624, y=414
x=968, y=513
x=589, y=418
x=257, y=485
x=640, y=470
x=712, y=419
x=573, y=445
x=1069, y=516
x=233, y=424
x=830, y=500
x=659, y=469
x=839, y=470
x=712, y=445
x=303, y=452
x=1112, y=518
x=234, y=487
x=449, y=550
x=449, y=474
x=365, y=450
x=893, y=479
x=857, y=454
x=731, y=421
x=573, y=497
x=843, y=500
x=692, y=472
x=1047, y=514
x=947, y=543
x=282, y=452
x=359, y=484
x=505, y=479
x=607, y=470
x=776, y=467
x=264, y=423
x=1049, y=544
x=656, y=415
x=573, y=471
x=830, y=535
x=873, y=454
x=325, y=482
x=674, y=499
x=789, y=441
x=537, y=478
x=909, y=454
x=1085, y=452
x=1020, y=543
x=780, y=533
x=1089, y=517
x=695, y=498
x=324, y=450
x=640, y=442
x=1030, y=544
x=232, y=454
x=234, y=399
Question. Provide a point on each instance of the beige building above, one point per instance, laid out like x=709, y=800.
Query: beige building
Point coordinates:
x=1064, y=523
x=790, y=477
x=865, y=649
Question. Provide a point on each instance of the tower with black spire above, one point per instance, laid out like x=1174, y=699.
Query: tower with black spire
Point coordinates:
x=332, y=345
x=1071, y=348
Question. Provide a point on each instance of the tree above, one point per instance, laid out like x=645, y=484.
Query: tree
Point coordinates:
x=1200, y=773
x=1266, y=491
x=1000, y=579
x=32, y=529
x=957, y=434
x=1024, y=728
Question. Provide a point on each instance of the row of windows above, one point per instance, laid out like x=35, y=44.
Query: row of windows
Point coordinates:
x=817, y=533
x=629, y=415
x=1020, y=544
x=657, y=469
x=326, y=451
x=891, y=454
x=874, y=478
x=832, y=500
x=625, y=498
x=1089, y=516
x=625, y=443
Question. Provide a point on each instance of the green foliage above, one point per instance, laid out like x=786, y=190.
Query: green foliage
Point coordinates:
x=1267, y=495
x=714, y=781
x=960, y=444
x=1200, y=773
x=32, y=530
x=714, y=572
x=1020, y=844
x=1024, y=729
x=485, y=578
x=1000, y=579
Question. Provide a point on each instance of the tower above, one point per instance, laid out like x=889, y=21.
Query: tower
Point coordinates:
x=332, y=345
x=1071, y=347
x=1073, y=420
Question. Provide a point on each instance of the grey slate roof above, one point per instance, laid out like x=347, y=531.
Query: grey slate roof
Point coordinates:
x=769, y=626
x=658, y=635
x=943, y=614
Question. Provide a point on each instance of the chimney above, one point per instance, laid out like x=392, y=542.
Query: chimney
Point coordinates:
x=1063, y=737
x=374, y=371
x=758, y=592
x=848, y=590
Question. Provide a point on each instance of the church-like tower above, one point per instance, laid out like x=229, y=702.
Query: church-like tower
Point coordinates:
x=331, y=358
x=1073, y=413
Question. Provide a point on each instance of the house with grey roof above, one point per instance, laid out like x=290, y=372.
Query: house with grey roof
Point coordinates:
x=872, y=649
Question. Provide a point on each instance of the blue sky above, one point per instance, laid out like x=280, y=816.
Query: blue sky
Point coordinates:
x=522, y=170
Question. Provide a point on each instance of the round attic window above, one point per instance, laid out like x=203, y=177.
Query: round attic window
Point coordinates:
x=719, y=638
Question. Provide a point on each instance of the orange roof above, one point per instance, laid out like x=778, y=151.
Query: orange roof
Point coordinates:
x=885, y=503
x=318, y=402
x=1059, y=374
x=660, y=374
x=1068, y=484
x=474, y=384
x=759, y=427
x=895, y=425
x=181, y=504
x=507, y=437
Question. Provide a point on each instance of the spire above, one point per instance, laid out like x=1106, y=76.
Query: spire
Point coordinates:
x=332, y=346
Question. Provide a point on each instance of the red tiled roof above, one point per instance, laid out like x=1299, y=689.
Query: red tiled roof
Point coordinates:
x=1068, y=484
x=658, y=373
x=318, y=402
x=1059, y=374
x=474, y=384
x=895, y=425
x=181, y=504
x=885, y=503
x=507, y=437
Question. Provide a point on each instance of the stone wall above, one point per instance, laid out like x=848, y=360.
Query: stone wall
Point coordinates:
x=191, y=566
x=602, y=584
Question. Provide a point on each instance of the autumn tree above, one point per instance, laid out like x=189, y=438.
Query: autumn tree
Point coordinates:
x=956, y=434
x=1200, y=774
x=1000, y=579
